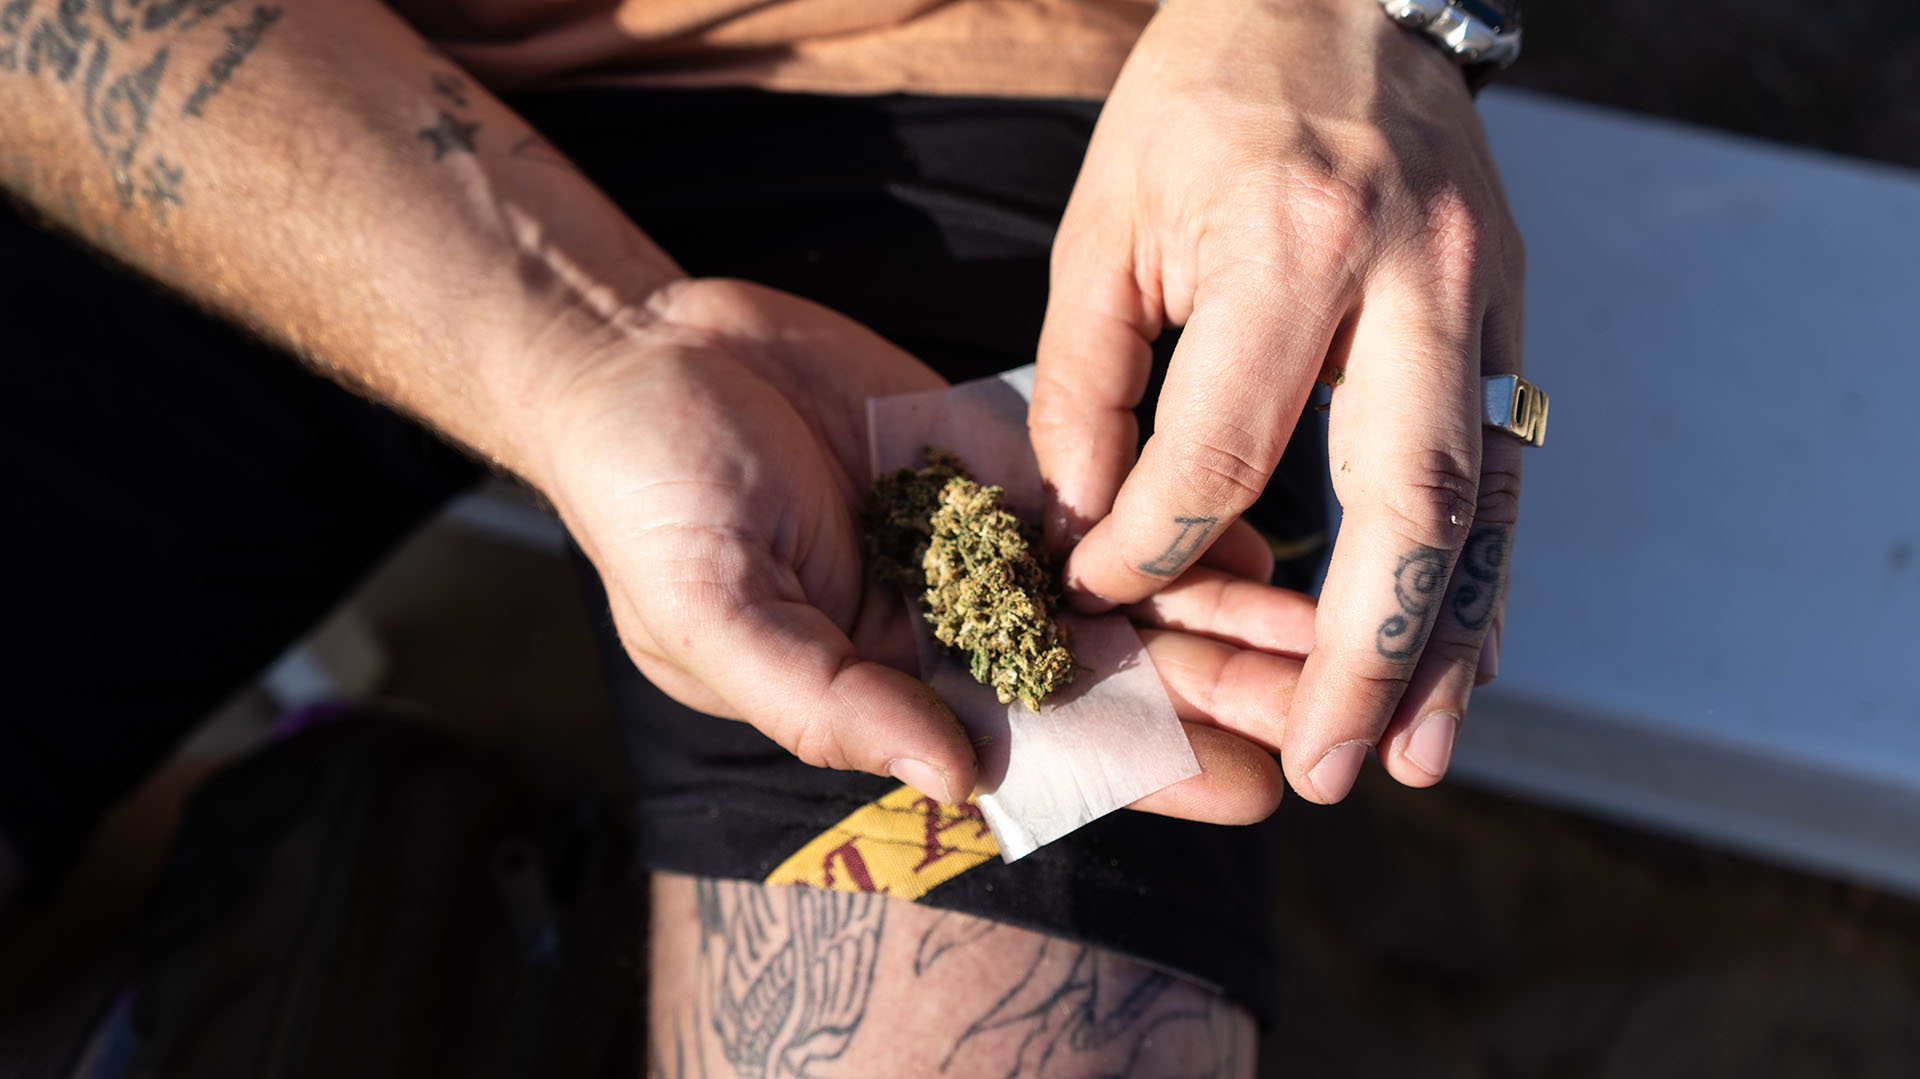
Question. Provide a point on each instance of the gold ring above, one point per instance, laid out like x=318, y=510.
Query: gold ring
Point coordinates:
x=1512, y=404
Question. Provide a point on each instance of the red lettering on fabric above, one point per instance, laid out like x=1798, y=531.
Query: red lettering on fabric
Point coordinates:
x=853, y=863
x=937, y=825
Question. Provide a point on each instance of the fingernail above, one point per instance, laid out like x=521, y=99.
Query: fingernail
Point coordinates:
x=922, y=777
x=1431, y=746
x=1489, y=668
x=1333, y=777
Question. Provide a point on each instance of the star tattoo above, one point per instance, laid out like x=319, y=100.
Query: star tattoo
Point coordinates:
x=449, y=135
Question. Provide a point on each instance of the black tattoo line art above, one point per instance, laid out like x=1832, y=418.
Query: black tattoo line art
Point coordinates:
x=162, y=189
x=1417, y=586
x=449, y=135
x=683, y=1067
x=13, y=19
x=451, y=87
x=117, y=116
x=57, y=43
x=241, y=41
x=162, y=14
x=785, y=973
x=947, y=932
x=1193, y=533
x=1483, y=565
x=1102, y=1004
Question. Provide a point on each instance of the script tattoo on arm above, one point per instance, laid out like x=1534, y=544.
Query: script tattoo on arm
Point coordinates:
x=241, y=41
x=1483, y=567
x=113, y=57
x=1417, y=587
x=785, y=973
x=1193, y=534
x=1076, y=1010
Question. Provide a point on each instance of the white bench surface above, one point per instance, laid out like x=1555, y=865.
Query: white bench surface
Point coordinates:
x=1714, y=621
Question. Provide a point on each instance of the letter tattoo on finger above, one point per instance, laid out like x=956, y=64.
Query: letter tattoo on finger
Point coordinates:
x=1483, y=567
x=1193, y=535
x=1417, y=586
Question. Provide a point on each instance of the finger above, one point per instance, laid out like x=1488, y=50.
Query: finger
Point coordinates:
x=1239, y=377
x=1239, y=783
x=1242, y=551
x=1404, y=440
x=1233, y=610
x=1238, y=690
x=1095, y=355
x=782, y=665
x=1418, y=743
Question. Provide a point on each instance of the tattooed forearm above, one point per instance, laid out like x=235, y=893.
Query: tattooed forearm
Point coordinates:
x=241, y=41
x=1483, y=567
x=112, y=57
x=1417, y=587
x=1193, y=535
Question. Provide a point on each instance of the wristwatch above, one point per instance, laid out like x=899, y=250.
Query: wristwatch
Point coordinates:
x=1482, y=36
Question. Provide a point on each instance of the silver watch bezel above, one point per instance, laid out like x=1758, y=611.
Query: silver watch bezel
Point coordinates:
x=1465, y=36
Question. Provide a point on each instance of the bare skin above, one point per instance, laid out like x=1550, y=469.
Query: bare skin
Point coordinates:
x=1306, y=189
x=786, y=982
x=323, y=175
x=320, y=174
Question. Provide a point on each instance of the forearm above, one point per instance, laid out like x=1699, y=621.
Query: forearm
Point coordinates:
x=319, y=173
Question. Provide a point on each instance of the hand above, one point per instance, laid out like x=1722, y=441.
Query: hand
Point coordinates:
x=712, y=463
x=1305, y=187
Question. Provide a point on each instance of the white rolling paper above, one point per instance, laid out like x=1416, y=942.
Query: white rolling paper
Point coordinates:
x=1108, y=739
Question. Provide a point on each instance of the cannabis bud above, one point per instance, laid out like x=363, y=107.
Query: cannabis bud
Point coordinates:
x=987, y=594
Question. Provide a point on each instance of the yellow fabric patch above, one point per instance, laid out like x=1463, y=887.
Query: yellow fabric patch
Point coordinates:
x=901, y=845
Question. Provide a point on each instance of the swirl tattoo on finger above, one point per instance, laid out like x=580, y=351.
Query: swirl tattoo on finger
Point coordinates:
x=1417, y=587
x=1483, y=565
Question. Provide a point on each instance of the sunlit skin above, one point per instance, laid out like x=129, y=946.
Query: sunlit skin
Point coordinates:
x=1293, y=181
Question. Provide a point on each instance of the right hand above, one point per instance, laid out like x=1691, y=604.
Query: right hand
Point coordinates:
x=712, y=464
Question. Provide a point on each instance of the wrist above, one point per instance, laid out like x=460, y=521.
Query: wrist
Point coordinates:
x=532, y=386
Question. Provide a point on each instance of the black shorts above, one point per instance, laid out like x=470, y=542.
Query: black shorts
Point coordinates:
x=189, y=501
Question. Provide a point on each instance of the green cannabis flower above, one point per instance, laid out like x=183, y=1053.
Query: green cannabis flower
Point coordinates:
x=987, y=595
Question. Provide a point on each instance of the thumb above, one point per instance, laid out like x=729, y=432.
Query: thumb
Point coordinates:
x=783, y=666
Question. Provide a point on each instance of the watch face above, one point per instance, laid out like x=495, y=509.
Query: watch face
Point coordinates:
x=1499, y=14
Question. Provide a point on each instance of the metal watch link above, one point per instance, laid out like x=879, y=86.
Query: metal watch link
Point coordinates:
x=1482, y=36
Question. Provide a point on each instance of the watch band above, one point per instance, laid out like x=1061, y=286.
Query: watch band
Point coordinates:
x=1482, y=36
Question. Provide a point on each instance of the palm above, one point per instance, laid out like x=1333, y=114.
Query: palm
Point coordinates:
x=745, y=492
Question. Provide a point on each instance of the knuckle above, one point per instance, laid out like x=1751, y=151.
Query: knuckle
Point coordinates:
x=1221, y=474
x=1435, y=505
x=1499, y=500
x=812, y=741
x=1382, y=689
x=1462, y=652
x=1334, y=211
x=1458, y=234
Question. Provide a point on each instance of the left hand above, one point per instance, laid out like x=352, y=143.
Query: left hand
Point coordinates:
x=1304, y=186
